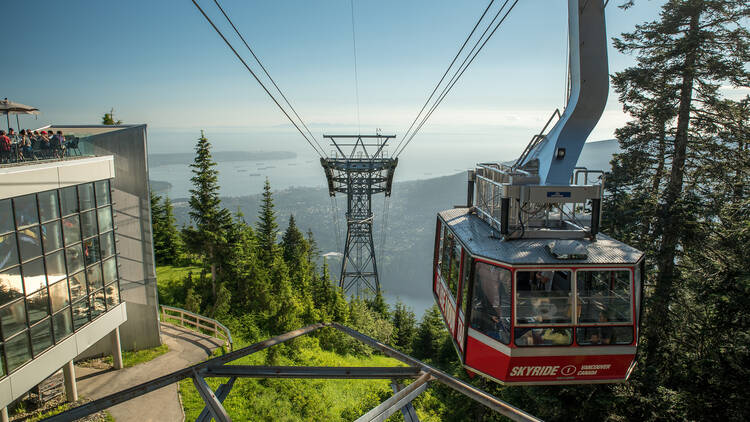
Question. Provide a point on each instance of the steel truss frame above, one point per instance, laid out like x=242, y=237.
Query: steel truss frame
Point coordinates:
x=221, y=367
x=359, y=172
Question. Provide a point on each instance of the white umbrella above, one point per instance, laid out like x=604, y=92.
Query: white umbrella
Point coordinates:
x=8, y=107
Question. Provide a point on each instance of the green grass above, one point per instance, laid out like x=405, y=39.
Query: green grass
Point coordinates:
x=297, y=399
x=140, y=356
x=168, y=274
x=169, y=281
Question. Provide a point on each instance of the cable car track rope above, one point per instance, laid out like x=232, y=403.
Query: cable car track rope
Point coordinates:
x=459, y=71
x=319, y=150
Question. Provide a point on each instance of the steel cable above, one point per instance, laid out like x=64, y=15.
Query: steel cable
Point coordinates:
x=459, y=73
x=231, y=47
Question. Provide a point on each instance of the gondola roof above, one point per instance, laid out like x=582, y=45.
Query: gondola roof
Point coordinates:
x=483, y=241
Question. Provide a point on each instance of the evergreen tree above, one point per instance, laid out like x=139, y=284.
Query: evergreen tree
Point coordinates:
x=377, y=304
x=266, y=226
x=404, y=327
x=167, y=243
x=211, y=220
x=430, y=335
x=109, y=118
x=192, y=301
x=676, y=191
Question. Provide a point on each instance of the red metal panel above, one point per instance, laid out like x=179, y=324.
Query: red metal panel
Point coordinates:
x=545, y=369
x=486, y=359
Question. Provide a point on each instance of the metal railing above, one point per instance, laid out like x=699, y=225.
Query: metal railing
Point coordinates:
x=220, y=367
x=197, y=323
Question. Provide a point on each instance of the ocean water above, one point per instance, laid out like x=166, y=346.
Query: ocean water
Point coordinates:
x=428, y=156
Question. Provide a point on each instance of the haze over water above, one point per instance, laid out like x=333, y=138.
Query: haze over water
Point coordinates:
x=427, y=156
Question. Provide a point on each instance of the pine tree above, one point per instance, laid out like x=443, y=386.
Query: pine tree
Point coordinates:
x=167, y=243
x=404, y=327
x=266, y=227
x=210, y=218
x=682, y=59
x=377, y=304
x=430, y=335
x=675, y=192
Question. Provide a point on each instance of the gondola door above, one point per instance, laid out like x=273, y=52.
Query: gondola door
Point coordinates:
x=447, y=272
x=463, y=301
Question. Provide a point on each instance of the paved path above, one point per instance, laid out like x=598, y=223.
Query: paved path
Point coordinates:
x=185, y=348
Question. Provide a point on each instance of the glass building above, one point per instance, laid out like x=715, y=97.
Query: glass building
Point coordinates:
x=58, y=267
x=77, y=276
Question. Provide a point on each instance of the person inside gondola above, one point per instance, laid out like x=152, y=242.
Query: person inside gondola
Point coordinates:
x=490, y=307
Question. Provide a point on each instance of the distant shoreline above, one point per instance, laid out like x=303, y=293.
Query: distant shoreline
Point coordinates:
x=165, y=159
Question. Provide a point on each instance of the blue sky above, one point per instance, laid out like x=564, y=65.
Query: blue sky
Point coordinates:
x=158, y=62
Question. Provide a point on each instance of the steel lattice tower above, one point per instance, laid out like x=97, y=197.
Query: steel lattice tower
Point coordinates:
x=359, y=168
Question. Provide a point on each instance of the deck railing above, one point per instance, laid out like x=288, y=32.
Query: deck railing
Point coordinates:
x=197, y=323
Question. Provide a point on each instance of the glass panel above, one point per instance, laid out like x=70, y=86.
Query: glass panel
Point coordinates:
x=102, y=193
x=13, y=318
x=17, y=351
x=38, y=306
x=94, y=277
x=105, y=219
x=29, y=243
x=48, y=207
x=113, y=295
x=110, y=270
x=91, y=250
x=465, y=283
x=77, y=286
x=33, y=276
x=59, y=295
x=8, y=250
x=107, y=242
x=86, y=196
x=11, y=285
x=2, y=365
x=41, y=337
x=68, y=200
x=97, y=304
x=446, y=254
x=55, y=267
x=6, y=223
x=63, y=324
x=51, y=236
x=88, y=223
x=543, y=297
x=26, y=213
x=490, y=307
x=71, y=229
x=455, y=267
x=592, y=336
x=80, y=313
x=553, y=336
x=604, y=296
x=74, y=256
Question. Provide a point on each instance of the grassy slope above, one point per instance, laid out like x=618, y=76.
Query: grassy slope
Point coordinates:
x=169, y=282
x=299, y=400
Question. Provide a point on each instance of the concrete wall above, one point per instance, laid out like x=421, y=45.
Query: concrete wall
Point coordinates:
x=132, y=208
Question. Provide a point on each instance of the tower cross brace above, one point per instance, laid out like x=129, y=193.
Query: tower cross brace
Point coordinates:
x=360, y=168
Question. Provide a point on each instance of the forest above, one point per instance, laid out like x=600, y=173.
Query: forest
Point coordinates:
x=677, y=190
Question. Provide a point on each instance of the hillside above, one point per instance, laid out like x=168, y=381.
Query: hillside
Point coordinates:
x=405, y=262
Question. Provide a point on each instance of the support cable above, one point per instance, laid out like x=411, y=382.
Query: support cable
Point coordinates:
x=267, y=74
x=460, y=71
x=445, y=73
x=218, y=31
